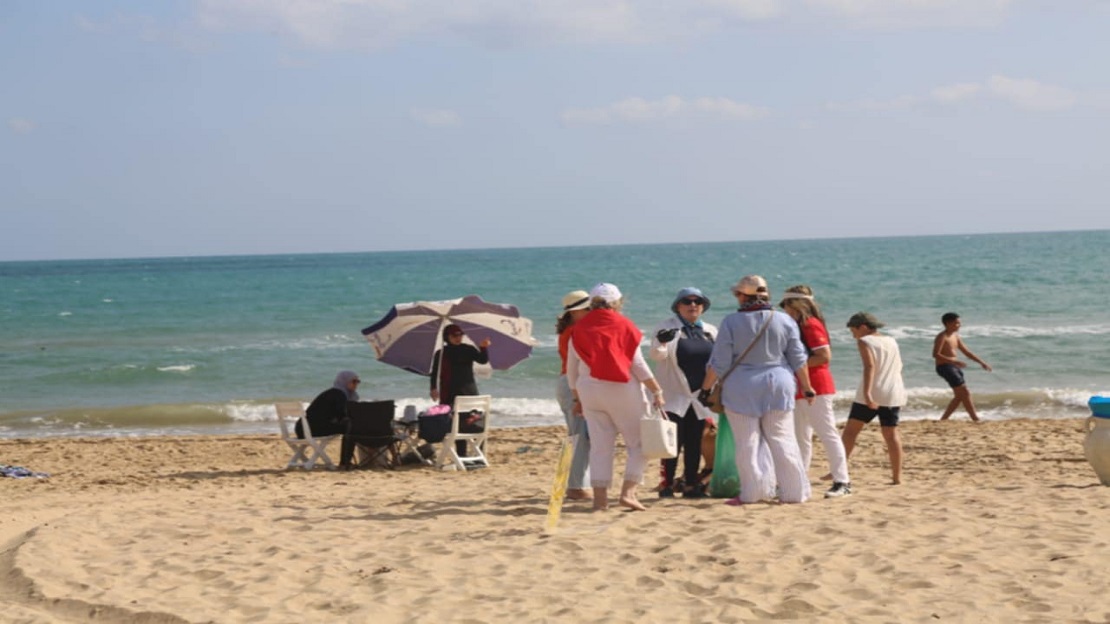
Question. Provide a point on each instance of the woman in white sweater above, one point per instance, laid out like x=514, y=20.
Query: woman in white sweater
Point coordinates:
x=680, y=348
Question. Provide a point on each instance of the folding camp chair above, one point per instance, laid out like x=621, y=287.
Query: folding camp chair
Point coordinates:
x=475, y=453
x=372, y=432
x=408, y=432
x=302, y=458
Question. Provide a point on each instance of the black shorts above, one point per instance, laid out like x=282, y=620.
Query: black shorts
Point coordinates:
x=952, y=374
x=888, y=416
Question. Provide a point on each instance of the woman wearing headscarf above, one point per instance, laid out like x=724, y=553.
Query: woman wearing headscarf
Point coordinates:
x=453, y=366
x=576, y=305
x=607, y=375
x=327, y=414
x=453, y=375
x=681, y=347
x=758, y=395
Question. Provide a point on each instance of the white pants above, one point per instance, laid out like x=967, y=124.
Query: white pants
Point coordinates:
x=611, y=408
x=776, y=428
x=819, y=418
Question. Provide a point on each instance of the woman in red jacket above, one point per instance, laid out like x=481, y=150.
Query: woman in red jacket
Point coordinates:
x=607, y=375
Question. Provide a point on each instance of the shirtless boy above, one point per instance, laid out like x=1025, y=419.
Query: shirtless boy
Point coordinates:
x=951, y=368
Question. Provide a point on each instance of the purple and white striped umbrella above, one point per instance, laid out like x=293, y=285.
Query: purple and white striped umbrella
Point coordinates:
x=409, y=335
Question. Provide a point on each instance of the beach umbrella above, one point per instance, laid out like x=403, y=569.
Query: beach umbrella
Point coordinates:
x=410, y=333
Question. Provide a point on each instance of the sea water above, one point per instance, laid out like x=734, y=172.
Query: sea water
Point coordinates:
x=207, y=344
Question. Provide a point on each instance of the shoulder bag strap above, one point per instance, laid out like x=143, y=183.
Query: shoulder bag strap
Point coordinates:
x=736, y=362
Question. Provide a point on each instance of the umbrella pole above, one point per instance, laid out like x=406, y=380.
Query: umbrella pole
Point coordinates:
x=439, y=369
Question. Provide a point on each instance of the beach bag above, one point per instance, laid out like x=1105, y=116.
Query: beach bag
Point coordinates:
x=725, y=482
x=659, y=437
x=434, y=423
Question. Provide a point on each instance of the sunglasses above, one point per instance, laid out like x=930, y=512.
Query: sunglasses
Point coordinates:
x=693, y=301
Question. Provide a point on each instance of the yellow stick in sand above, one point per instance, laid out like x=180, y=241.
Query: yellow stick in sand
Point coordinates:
x=559, y=487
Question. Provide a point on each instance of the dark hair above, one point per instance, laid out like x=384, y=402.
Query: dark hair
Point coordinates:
x=451, y=329
x=564, y=322
x=949, y=317
x=860, y=319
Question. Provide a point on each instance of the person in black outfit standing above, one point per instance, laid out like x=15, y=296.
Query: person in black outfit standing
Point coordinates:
x=327, y=414
x=453, y=375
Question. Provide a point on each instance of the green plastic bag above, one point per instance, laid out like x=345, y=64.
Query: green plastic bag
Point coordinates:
x=725, y=482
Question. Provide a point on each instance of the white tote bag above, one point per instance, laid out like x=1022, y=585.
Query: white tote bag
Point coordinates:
x=659, y=437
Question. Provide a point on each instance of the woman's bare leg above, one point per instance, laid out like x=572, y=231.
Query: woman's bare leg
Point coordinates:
x=628, y=496
x=601, y=498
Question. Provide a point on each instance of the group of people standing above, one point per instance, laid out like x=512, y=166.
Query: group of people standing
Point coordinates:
x=776, y=390
x=772, y=367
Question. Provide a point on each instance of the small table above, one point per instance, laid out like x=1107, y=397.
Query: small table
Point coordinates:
x=408, y=434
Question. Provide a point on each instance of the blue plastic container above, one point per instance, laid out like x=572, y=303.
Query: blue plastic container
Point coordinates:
x=1100, y=406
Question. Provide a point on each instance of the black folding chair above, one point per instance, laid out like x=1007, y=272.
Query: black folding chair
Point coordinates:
x=372, y=432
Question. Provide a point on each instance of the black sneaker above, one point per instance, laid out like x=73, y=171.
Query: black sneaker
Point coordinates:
x=667, y=492
x=694, y=492
x=839, y=489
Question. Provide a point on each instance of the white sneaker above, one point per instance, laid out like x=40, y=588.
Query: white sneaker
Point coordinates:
x=839, y=489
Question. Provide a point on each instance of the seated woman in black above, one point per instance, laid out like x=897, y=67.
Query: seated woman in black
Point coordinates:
x=327, y=414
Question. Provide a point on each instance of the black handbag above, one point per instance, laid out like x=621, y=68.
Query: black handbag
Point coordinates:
x=434, y=428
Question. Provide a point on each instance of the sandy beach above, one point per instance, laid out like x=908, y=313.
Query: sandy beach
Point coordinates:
x=1001, y=521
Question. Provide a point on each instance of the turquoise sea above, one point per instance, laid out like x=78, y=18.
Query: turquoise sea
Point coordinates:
x=207, y=344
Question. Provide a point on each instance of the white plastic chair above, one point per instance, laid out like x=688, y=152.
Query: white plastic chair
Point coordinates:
x=475, y=454
x=290, y=413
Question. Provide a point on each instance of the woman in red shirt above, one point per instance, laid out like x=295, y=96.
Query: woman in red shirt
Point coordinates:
x=576, y=304
x=818, y=417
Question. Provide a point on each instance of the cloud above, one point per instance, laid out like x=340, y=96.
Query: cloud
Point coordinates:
x=381, y=23
x=19, y=125
x=1024, y=94
x=746, y=9
x=436, y=118
x=505, y=23
x=1031, y=95
x=953, y=93
x=901, y=102
x=639, y=110
x=912, y=14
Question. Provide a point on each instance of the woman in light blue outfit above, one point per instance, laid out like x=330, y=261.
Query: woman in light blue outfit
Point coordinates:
x=576, y=304
x=759, y=394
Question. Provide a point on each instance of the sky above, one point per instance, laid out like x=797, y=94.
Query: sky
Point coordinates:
x=227, y=127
